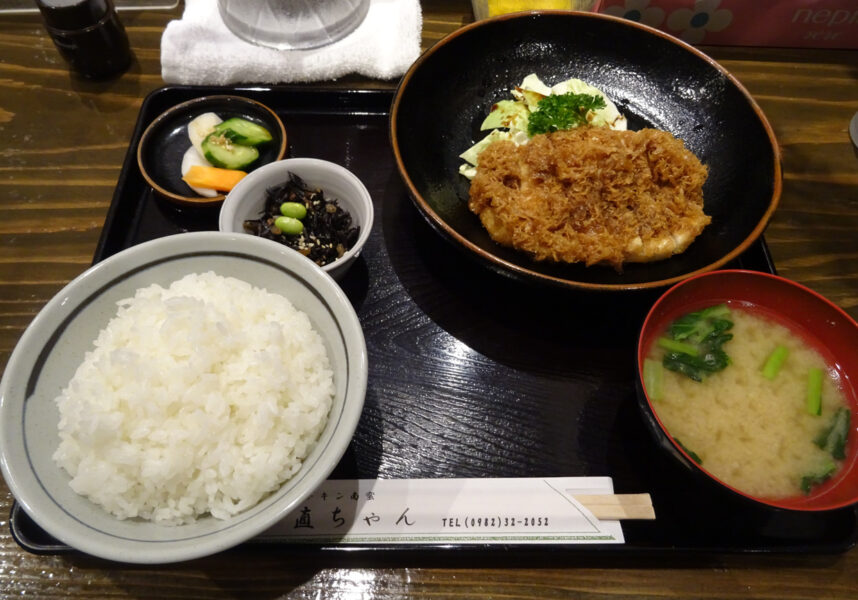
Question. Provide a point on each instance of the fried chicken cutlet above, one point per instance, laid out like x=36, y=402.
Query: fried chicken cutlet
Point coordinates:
x=592, y=195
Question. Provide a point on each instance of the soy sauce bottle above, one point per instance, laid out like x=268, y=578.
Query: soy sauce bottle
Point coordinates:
x=88, y=34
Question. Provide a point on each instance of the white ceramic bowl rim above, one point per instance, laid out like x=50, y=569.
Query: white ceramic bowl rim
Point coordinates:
x=181, y=542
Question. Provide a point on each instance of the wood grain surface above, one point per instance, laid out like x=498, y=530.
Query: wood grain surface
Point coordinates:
x=62, y=143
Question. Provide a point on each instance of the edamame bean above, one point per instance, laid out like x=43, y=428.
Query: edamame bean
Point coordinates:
x=296, y=210
x=289, y=225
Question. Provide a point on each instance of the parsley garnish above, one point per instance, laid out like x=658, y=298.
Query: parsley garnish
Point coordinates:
x=562, y=111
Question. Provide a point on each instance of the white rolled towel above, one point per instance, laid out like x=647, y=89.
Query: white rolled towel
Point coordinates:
x=199, y=49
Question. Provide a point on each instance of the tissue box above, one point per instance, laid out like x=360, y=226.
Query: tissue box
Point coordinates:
x=789, y=23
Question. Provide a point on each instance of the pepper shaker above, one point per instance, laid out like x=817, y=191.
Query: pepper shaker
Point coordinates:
x=88, y=34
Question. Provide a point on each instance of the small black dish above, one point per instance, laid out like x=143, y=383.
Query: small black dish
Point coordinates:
x=654, y=79
x=165, y=141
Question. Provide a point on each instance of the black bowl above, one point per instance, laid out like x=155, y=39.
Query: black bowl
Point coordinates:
x=165, y=141
x=654, y=79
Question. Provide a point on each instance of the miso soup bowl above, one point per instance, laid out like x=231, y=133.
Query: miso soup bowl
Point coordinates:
x=818, y=321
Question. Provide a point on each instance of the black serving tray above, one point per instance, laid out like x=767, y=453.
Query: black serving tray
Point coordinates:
x=472, y=374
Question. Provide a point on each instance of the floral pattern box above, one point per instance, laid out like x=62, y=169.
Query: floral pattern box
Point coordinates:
x=785, y=23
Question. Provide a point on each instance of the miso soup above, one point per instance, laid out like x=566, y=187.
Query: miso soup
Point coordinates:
x=751, y=425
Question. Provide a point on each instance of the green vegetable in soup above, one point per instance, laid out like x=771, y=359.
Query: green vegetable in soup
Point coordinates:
x=808, y=482
x=696, y=367
x=775, y=361
x=562, y=111
x=833, y=438
x=691, y=453
x=653, y=376
x=814, y=391
x=696, y=326
x=694, y=342
x=672, y=345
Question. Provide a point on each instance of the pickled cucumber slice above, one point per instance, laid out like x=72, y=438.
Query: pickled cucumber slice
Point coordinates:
x=244, y=132
x=222, y=152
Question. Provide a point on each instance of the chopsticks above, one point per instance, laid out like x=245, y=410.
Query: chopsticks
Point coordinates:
x=618, y=506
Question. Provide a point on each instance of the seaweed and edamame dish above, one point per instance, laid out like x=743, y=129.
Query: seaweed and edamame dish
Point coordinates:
x=306, y=220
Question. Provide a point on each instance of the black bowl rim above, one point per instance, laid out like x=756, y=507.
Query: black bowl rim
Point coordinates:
x=183, y=106
x=499, y=264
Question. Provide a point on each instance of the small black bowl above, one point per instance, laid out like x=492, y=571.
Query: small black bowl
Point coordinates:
x=654, y=79
x=165, y=141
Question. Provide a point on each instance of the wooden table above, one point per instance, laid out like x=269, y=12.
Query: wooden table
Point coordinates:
x=63, y=143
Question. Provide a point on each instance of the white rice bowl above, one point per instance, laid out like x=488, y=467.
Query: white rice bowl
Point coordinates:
x=198, y=398
x=55, y=345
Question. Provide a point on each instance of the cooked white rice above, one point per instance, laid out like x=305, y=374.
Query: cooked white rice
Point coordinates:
x=200, y=398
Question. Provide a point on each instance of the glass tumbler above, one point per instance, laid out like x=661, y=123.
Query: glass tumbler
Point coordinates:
x=292, y=24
